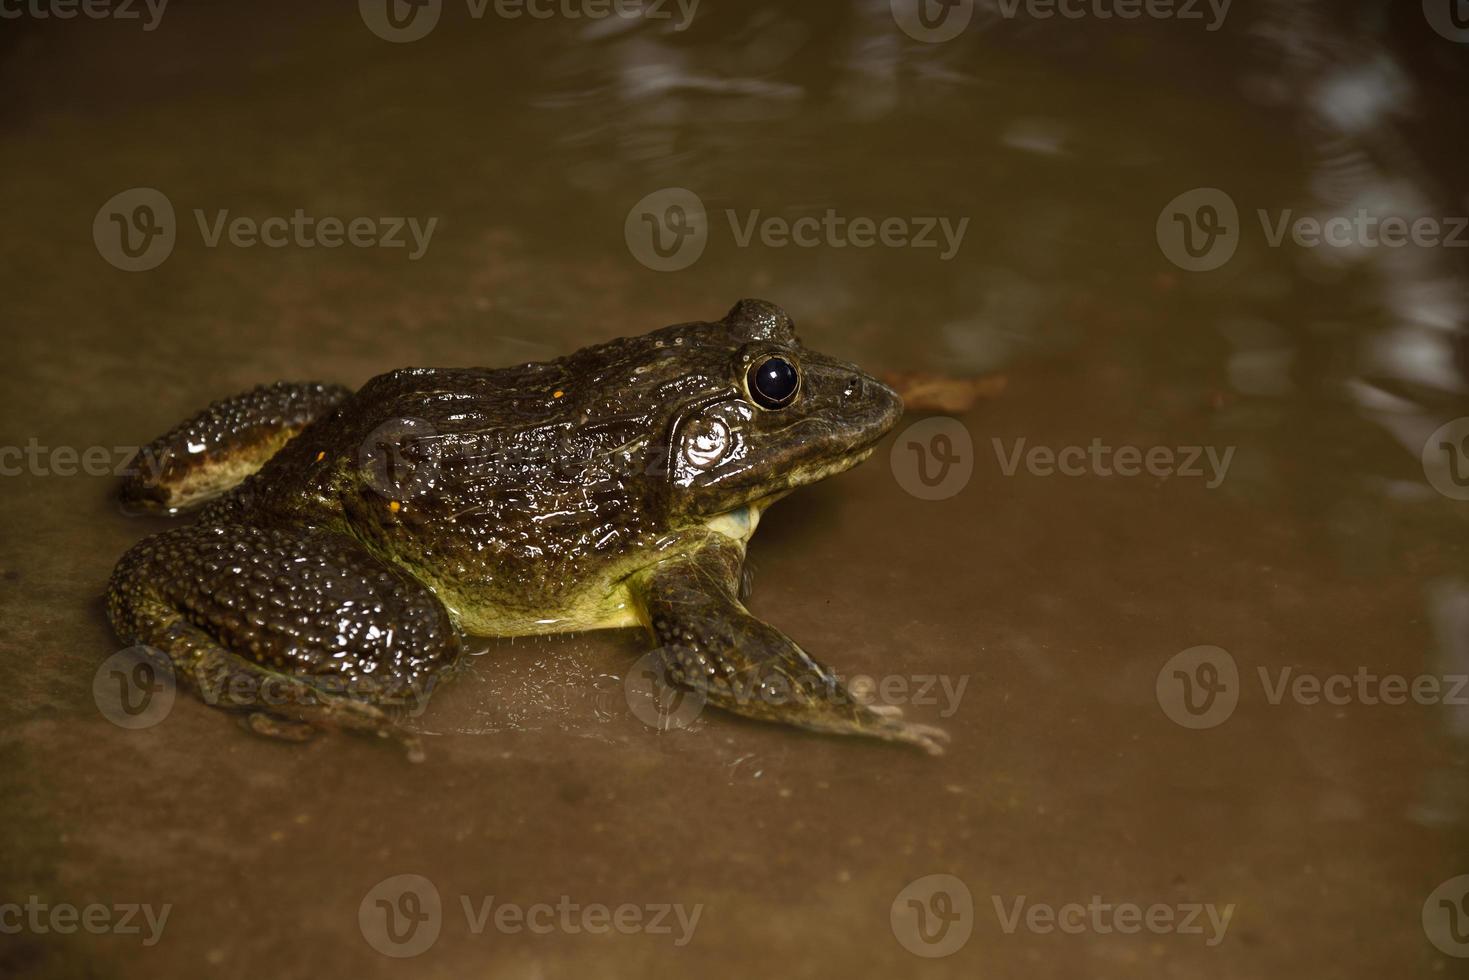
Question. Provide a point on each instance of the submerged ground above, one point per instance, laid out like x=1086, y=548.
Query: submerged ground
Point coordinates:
x=1302, y=825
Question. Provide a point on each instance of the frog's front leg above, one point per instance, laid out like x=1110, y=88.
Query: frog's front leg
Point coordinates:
x=710, y=644
x=300, y=629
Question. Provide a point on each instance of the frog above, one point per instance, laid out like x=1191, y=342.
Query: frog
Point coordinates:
x=345, y=545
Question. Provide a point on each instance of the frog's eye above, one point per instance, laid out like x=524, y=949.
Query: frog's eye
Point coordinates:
x=773, y=382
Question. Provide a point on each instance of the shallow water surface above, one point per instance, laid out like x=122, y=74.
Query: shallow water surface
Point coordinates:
x=1207, y=719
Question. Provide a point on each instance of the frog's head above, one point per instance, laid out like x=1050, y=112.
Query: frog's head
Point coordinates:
x=761, y=415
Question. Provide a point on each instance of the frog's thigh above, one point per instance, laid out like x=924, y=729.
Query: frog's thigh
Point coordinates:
x=226, y=442
x=711, y=644
x=293, y=624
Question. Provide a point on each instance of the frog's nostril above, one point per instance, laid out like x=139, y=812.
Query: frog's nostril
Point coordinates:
x=855, y=387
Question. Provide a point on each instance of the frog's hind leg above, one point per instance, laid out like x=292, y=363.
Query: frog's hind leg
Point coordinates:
x=222, y=445
x=710, y=644
x=296, y=629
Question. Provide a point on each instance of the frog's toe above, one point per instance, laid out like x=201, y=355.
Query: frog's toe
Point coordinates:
x=929, y=738
x=886, y=721
x=270, y=726
x=352, y=715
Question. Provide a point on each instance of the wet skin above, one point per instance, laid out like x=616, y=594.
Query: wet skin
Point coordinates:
x=345, y=541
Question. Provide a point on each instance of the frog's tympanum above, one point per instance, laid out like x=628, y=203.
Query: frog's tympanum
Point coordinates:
x=345, y=541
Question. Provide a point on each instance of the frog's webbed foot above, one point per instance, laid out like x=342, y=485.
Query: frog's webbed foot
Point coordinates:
x=365, y=719
x=269, y=726
x=710, y=644
x=929, y=738
x=300, y=630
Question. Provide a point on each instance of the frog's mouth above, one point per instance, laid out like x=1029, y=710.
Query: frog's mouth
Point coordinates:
x=740, y=523
x=804, y=475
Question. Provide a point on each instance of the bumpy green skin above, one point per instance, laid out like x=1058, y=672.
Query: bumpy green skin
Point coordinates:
x=611, y=487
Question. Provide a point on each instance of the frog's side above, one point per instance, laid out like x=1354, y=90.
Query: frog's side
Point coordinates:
x=613, y=487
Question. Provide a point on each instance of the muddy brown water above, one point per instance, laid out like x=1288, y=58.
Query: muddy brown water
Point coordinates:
x=1033, y=614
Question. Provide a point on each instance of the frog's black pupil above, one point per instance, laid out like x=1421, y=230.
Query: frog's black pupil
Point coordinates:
x=773, y=382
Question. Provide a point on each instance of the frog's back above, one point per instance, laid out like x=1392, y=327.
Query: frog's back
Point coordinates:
x=454, y=441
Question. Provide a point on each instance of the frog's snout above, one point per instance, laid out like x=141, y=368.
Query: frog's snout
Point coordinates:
x=872, y=404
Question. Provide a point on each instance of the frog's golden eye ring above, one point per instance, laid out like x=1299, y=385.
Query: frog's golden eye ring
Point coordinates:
x=773, y=382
